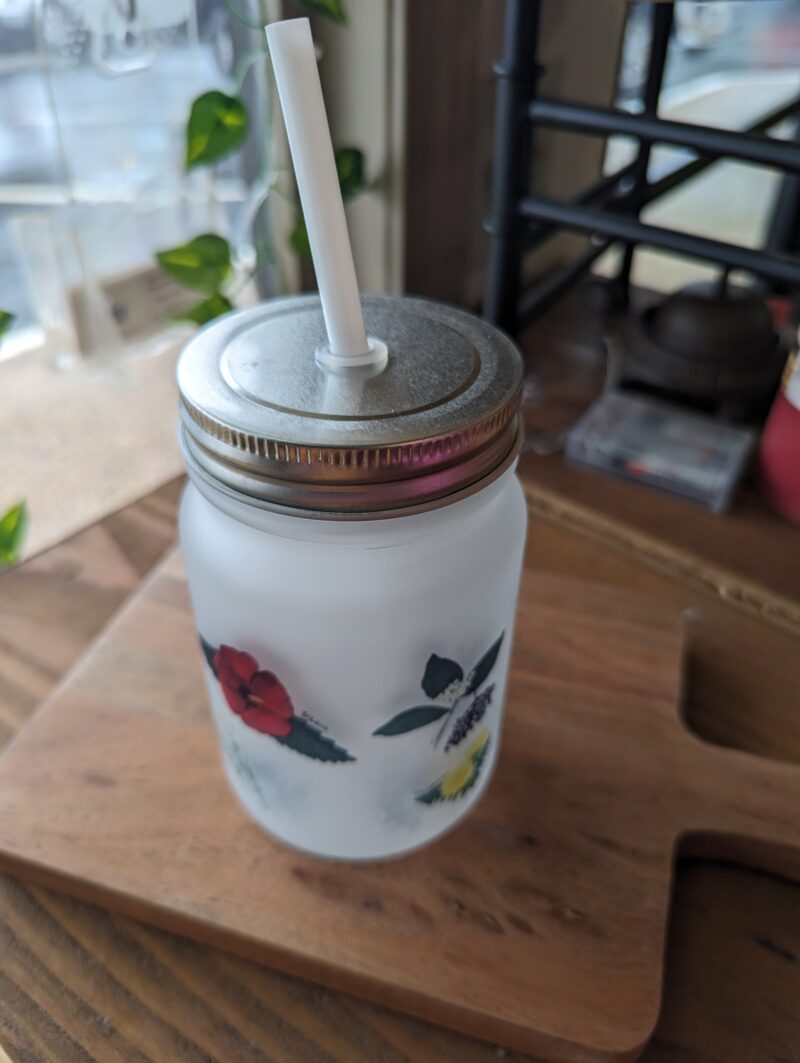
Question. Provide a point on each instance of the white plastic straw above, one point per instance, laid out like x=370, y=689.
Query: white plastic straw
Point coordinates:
x=297, y=77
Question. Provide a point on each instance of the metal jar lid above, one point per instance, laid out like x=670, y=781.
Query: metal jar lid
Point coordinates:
x=262, y=416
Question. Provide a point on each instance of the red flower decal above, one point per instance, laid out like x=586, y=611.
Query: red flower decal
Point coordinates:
x=258, y=697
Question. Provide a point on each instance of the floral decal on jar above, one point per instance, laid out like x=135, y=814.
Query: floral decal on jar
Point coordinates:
x=460, y=779
x=262, y=702
x=258, y=697
x=471, y=718
x=446, y=685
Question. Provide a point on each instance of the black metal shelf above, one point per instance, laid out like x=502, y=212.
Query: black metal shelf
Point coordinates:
x=609, y=209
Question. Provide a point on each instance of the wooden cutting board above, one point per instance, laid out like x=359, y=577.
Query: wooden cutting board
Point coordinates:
x=539, y=923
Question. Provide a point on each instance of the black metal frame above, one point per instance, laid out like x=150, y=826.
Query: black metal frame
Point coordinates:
x=609, y=210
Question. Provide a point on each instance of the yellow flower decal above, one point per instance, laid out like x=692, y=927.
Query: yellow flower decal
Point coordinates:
x=456, y=780
x=478, y=747
x=461, y=778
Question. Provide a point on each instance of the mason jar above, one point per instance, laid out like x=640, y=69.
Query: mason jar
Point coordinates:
x=353, y=542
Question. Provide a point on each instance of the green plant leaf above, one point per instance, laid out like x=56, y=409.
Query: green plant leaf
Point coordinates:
x=350, y=171
x=298, y=238
x=332, y=9
x=217, y=126
x=12, y=532
x=440, y=672
x=215, y=306
x=484, y=666
x=203, y=263
x=305, y=739
x=6, y=320
x=411, y=719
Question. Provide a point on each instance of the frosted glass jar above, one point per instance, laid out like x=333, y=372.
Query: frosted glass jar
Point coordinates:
x=347, y=617
x=356, y=659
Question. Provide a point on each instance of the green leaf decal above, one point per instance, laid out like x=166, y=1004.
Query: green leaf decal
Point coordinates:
x=411, y=719
x=350, y=171
x=12, y=532
x=6, y=320
x=332, y=9
x=202, y=263
x=440, y=672
x=207, y=310
x=430, y=796
x=209, y=652
x=306, y=739
x=484, y=666
x=217, y=126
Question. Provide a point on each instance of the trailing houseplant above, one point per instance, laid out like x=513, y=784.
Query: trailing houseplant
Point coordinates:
x=217, y=127
x=12, y=533
x=14, y=520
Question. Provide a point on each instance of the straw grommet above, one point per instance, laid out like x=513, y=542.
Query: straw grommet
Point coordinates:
x=376, y=355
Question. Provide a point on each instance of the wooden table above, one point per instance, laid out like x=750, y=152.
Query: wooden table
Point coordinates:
x=77, y=983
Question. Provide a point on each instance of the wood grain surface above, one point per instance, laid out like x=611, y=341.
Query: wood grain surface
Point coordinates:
x=114, y=792
x=563, y=872
x=55, y=604
x=77, y=983
x=751, y=558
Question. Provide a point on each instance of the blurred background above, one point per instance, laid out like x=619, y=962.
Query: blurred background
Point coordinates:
x=145, y=189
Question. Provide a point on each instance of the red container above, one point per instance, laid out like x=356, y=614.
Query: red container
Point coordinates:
x=779, y=450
